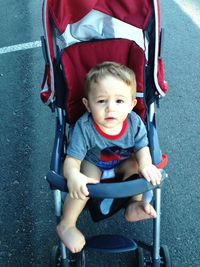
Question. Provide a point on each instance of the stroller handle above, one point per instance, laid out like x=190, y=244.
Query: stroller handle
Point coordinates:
x=107, y=190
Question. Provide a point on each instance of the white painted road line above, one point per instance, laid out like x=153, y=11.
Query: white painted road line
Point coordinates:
x=191, y=9
x=19, y=47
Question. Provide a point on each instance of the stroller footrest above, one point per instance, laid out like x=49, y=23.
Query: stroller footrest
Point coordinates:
x=110, y=243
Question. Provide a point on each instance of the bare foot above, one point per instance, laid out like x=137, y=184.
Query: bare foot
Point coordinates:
x=71, y=237
x=140, y=210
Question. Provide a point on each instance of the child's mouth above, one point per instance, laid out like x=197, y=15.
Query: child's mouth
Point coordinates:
x=109, y=118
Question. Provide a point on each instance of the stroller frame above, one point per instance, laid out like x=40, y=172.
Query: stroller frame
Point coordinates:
x=159, y=255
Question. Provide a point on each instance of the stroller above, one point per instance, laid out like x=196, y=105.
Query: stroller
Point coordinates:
x=78, y=35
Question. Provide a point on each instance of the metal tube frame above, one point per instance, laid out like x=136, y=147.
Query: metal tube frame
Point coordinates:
x=56, y=166
x=156, y=228
x=157, y=198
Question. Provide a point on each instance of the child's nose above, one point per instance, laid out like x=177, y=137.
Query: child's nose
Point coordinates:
x=111, y=106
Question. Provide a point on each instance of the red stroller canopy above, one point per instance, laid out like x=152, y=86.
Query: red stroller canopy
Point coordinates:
x=133, y=12
x=60, y=17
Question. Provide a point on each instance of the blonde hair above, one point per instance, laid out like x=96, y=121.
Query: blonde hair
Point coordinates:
x=109, y=68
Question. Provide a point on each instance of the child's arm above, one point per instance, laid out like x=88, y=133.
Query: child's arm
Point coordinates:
x=76, y=181
x=146, y=168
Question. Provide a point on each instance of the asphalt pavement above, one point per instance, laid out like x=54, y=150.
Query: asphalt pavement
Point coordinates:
x=27, y=221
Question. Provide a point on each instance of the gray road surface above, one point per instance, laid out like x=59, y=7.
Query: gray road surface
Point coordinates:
x=27, y=219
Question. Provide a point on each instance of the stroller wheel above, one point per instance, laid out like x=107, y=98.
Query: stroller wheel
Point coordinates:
x=165, y=256
x=80, y=259
x=55, y=259
x=140, y=260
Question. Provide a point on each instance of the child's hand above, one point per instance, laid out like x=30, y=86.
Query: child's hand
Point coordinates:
x=76, y=181
x=77, y=186
x=151, y=173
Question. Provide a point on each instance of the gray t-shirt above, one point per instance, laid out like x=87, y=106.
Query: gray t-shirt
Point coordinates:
x=88, y=142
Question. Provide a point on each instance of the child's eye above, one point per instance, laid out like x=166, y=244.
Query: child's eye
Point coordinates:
x=119, y=101
x=101, y=101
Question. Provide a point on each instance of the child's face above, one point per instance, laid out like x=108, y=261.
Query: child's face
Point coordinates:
x=109, y=101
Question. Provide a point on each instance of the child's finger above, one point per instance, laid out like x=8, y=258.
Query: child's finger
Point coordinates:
x=92, y=181
x=151, y=177
x=158, y=176
x=81, y=195
x=84, y=190
x=146, y=175
x=73, y=195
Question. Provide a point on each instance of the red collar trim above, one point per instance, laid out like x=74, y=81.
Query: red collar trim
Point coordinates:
x=109, y=136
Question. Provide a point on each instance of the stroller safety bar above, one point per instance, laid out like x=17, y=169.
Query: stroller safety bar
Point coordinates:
x=108, y=190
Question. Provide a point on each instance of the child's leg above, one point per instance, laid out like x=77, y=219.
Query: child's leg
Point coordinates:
x=66, y=229
x=139, y=207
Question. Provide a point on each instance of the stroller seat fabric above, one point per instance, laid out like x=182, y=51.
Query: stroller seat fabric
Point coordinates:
x=75, y=63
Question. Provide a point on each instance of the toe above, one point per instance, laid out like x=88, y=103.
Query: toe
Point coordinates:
x=150, y=210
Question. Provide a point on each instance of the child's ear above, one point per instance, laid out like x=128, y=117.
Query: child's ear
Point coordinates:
x=133, y=104
x=86, y=104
